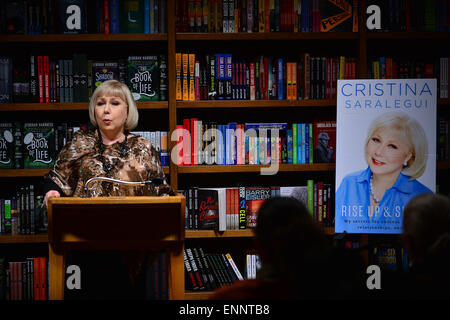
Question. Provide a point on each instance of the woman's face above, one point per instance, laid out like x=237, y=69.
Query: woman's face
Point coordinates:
x=111, y=113
x=386, y=151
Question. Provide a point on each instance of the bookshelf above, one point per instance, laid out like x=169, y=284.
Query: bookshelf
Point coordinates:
x=171, y=112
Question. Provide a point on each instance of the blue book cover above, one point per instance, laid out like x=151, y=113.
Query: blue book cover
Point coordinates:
x=299, y=143
x=114, y=18
x=146, y=16
x=393, y=114
x=228, y=76
x=232, y=144
x=303, y=144
x=307, y=143
x=280, y=79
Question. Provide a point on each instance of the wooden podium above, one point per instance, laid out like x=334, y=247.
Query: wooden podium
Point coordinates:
x=116, y=223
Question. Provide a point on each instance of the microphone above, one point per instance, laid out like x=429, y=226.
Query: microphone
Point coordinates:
x=155, y=182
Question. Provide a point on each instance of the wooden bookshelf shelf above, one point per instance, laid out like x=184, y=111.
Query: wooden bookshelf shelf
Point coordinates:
x=443, y=165
x=196, y=234
x=267, y=36
x=71, y=106
x=23, y=238
x=197, y=295
x=443, y=102
x=22, y=173
x=255, y=104
x=88, y=37
x=256, y=168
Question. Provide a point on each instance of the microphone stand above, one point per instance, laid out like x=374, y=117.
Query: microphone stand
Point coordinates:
x=154, y=182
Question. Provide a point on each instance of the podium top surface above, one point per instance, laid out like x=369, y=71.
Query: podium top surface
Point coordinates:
x=114, y=200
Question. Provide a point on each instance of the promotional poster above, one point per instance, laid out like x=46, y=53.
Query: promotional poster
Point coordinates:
x=386, y=151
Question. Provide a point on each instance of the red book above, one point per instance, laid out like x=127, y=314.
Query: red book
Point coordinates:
x=252, y=81
x=429, y=70
x=228, y=224
x=266, y=78
x=40, y=61
x=267, y=16
x=197, y=81
x=106, y=15
x=186, y=142
x=179, y=146
x=12, y=280
x=46, y=79
x=19, y=282
x=43, y=277
x=194, y=141
x=36, y=278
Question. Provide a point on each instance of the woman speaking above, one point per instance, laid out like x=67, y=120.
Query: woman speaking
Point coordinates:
x=110, y=151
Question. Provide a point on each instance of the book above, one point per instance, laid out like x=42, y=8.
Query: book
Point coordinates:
x=143, y=77
x=336, y=16
x=131, y=16
x=6, y=79
x=254, y=198
x=221, y=206
x=324, y=134
x=39, y=145
x=7, y=146
x=191, y=281
x=208, y=209
x=103, y=71
x=298, y=192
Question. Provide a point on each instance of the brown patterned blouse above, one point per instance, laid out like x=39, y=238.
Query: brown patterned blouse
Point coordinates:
x=85, y=157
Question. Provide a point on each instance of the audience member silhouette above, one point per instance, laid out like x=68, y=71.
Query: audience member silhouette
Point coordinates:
x=426, y=236
x=294, y=254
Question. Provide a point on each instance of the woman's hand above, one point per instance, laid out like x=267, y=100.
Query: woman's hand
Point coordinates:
x=51, y=193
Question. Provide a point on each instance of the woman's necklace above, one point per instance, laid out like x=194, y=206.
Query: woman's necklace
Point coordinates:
x=372, y=193
x=108, y=166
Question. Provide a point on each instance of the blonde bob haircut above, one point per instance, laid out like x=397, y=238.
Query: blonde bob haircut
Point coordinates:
x=115, y=88
x=414, y=134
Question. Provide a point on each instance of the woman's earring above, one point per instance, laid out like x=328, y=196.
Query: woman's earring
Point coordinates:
x=405, y=163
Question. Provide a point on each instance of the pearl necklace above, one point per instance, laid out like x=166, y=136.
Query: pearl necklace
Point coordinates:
x=372, y=193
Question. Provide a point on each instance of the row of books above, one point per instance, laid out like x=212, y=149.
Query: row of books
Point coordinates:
x=24, y=280
x=82, y=16
x=209, y=271
x=157, y=279
x=392, y=68
x=224, y=77
x=236, y=208
x=413, y=15
x=443, y=150
x=390, y=258
x=33, y=145
x=233, y=16
x=159, y=140
x=200, y=142
x=23, y=213
x=47, y=79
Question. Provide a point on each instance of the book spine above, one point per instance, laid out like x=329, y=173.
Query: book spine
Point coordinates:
x=190, y=273
x=310, y=192
x=179, y=86
x=195, y=269
x=234, y=267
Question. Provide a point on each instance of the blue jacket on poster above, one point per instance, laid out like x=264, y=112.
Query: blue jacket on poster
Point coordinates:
x=354, y=213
